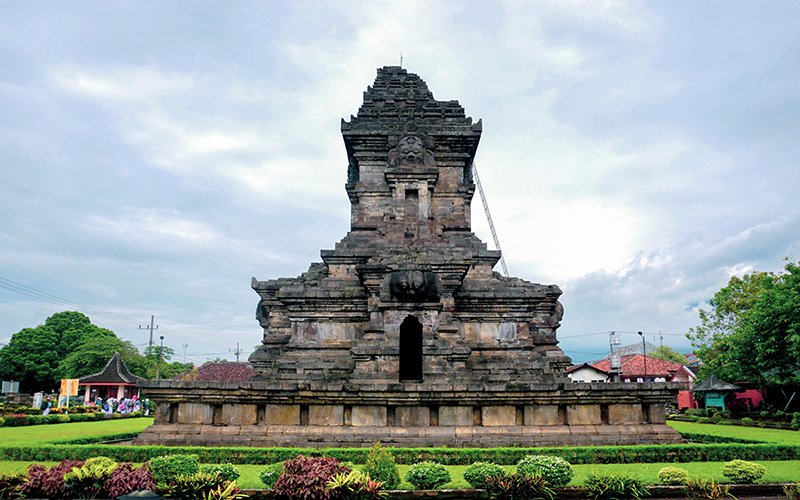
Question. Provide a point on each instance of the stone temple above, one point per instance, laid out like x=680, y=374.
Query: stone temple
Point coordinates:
x=404, y=334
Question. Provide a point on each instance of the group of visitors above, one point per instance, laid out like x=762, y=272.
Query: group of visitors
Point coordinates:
x=123, y=405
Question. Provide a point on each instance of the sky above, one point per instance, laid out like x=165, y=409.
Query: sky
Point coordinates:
x=157, y=155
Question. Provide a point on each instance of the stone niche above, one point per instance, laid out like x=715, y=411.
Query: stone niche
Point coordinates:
x=404, y=333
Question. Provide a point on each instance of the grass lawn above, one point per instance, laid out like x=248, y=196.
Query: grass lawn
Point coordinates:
x=778, y=436
x=54, y=433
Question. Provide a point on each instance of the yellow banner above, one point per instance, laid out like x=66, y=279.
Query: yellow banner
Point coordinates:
x=69, y=387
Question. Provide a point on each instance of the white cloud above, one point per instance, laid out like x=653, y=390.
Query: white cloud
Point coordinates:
x=154, y=227
x=130, y=83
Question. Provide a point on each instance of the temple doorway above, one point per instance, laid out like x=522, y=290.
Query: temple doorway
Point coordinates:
x=410, y=349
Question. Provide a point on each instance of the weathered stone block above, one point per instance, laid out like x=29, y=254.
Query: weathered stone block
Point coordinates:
x=195, y=413
x=657, y=413
x=625, y=414
x=325, y=415
x=369, y=416
x=494, y=416
x=542, y=415
x=282, y=415
x=583, y=415
x=412, y=416
x=455, y=416
x=238, y=414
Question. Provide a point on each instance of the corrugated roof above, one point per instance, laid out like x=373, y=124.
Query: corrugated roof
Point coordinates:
x=115, y=372
x=713, y=383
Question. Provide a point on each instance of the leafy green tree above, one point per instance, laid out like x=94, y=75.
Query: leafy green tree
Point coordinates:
x=93, y=353
x=168, y=370
x=667, y=353
x=39, y=356
x=774, y=325
x=752, y=331
x=720, y=341
x=31, y=357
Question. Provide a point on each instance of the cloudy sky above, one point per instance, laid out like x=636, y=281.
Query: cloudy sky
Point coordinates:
x=156, y=155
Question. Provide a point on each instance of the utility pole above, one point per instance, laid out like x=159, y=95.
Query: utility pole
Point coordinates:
x=151, y=328
x=236, y=352
x=185, y=345
x=644, y=353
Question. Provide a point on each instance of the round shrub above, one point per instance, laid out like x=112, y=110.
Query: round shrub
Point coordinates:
x=742, y=472
x=606, y=486
x=167, y=468
x=226, y=472
x=673, y=475
x=556, y=471
x=382, y=467
x=270, y=474
x=477, y=473
x=428, y=475
x=747, y=421
x=2, y=421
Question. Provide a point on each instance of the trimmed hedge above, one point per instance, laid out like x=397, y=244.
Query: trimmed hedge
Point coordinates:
x=17, y=420
x=707, y=438
x=446, y=456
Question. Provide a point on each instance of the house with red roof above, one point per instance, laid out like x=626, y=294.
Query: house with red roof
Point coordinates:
x=587, y=373
x=641, y=368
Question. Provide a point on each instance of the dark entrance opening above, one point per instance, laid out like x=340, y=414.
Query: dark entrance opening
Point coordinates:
x=411, y=349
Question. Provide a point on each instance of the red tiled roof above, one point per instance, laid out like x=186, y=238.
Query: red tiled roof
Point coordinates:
x=633, y=366
x=219, y=372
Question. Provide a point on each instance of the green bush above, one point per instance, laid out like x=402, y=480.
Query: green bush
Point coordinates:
x=555, y=470
x=167, y=468
x=2, y=421
x=270, y=474
x=519, y=486
x=614, y=487
x=673, y=475
x=382, y=467
x=477, y=473
x=87, y=480
x=428, y=475
x=197, y=485
x=354, y=485
x=226, y=471
x=746, y=421
x=742, y=472
x=707, y=489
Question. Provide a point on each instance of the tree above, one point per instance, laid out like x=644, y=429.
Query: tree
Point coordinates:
x=752, y=331
x=774, y=324
x=92, y=354
x=667, y=353
x=31, y=357
x=37, y=357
